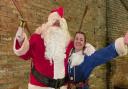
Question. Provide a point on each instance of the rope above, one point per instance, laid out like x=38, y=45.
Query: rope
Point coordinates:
x=123, y=3
x=85, y=12
x=14, y=2
x=21, y=15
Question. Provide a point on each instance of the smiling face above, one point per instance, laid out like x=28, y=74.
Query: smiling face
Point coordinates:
x=79, y=41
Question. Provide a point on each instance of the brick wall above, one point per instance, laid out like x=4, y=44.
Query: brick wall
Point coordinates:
x=117, y=21
x=14, y=71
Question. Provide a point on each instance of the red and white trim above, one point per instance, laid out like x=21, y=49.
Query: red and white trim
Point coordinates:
x=24, y=47
x=121, y=47
x=59, y=69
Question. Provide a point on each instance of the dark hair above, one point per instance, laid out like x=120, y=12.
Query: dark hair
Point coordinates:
x=79, y=32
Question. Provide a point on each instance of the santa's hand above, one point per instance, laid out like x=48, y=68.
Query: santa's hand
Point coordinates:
x=126, y=38
x=48, y=24
x=20, y=34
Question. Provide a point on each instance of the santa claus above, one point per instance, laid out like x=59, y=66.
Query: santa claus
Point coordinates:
x=48, y=49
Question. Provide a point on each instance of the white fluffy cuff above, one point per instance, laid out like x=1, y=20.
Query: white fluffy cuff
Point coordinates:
x=24, y=48
x=89, y=49
x=121, y=47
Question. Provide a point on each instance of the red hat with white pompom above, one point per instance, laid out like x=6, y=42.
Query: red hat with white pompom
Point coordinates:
x=59, y=10
x=56, y=14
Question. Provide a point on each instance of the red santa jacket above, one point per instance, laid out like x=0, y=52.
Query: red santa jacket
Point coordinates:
x=36, y=51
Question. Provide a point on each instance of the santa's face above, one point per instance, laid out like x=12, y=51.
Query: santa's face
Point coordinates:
x=79, y=42
x=54, y=18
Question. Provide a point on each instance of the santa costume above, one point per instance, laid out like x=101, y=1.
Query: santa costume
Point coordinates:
x=48, y=49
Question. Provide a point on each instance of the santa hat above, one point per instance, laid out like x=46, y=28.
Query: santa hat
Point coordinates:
x=55, y=14
x=59, y=10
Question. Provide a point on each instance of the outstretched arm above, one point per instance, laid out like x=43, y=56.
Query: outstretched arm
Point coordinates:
x=103, y=55
x=21, y=44
x=118, y=48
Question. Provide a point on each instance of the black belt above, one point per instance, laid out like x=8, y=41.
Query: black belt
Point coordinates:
x=54, y=83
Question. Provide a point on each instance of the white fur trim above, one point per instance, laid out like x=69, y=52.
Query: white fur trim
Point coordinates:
x=121, y=47
x=59, y=69
x=30, y=86
x=24, y=48
x=76, y=59
x=89, y=49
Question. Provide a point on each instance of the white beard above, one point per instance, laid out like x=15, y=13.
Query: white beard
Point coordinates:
x=55, y=41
